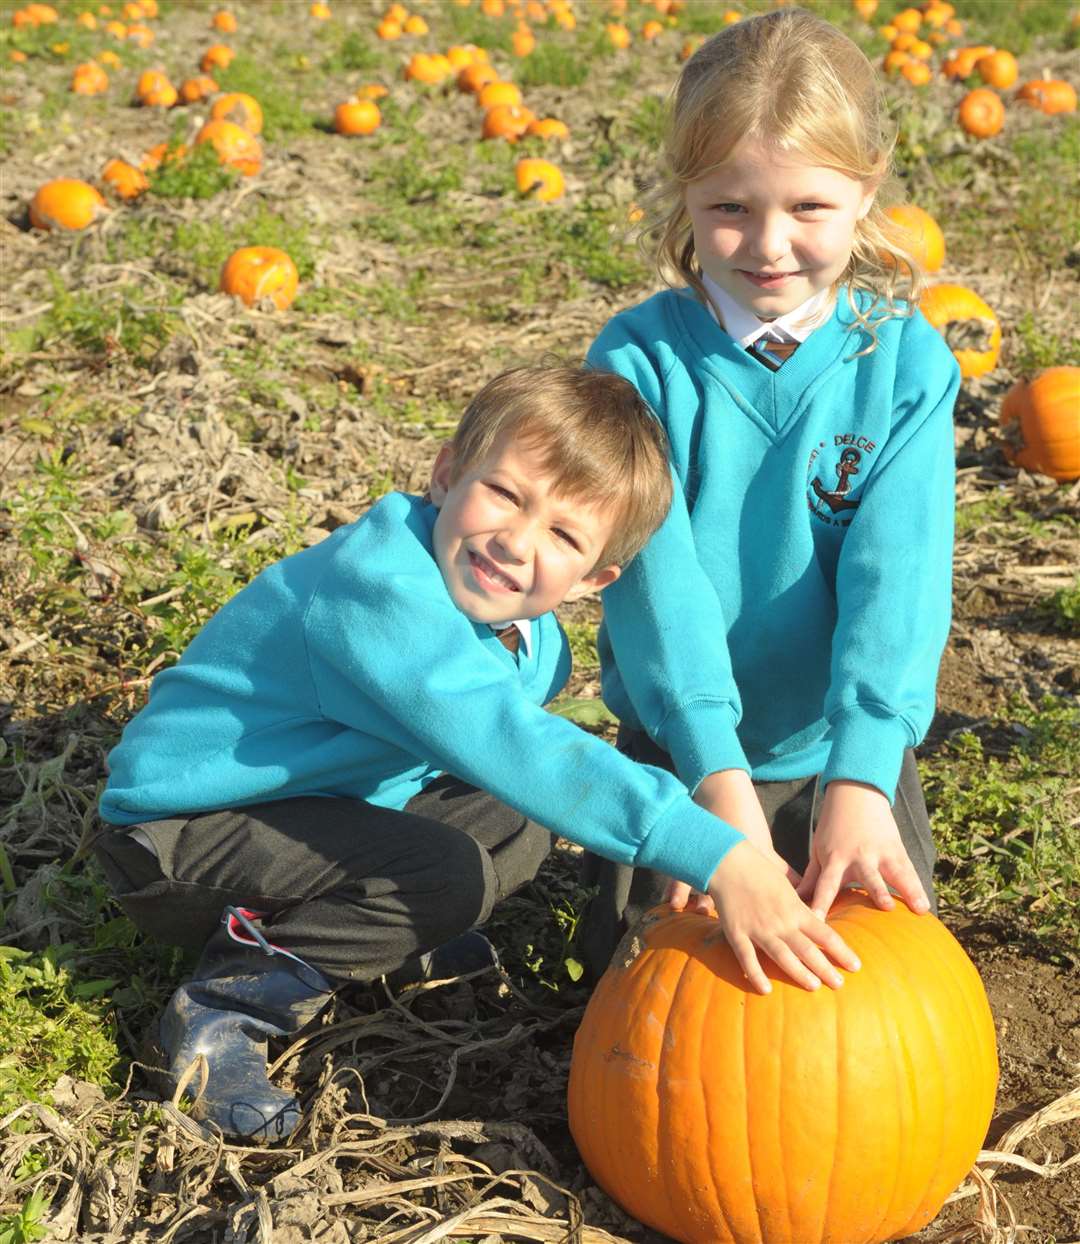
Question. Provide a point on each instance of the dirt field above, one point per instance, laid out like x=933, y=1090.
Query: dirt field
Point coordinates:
x=159, y=443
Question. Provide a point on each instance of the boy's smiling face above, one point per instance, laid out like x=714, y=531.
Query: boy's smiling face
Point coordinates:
x=507, y=544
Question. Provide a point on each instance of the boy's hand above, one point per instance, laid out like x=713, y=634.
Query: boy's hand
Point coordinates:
x=759, y=910
x=857, y=842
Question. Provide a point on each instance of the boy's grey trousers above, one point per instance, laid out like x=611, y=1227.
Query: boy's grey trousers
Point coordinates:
x=351, y=888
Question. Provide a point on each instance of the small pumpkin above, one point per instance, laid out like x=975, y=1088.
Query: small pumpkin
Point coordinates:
x=374, y=90
x=141, y=36
x=651, y=29
x=428, y=67
x=917, y=72
x=414, y=24
x=65, y=203
x=161, y=154
x=982, y=114
x=154, y=90
x=473, y=78
x=1041, y=422
x=506, y=121
x=865, y=8
x=498, y=93
x=618, y=35
x=86, y=20
x=89, y=79
x=242, y=109
x=388, y=29
x=547, y=128
x=922, y=235
x=319, y=11
x=721, y=1116
x=540, y=179
x=217, y=56
x=126, y=181
x=908, y=19
x=523, y=41
x=998, y=69
x=200, y=87
x=357, y=116
x=970, y=328
x=462, y=54
x=1049, y=95
x=233, y=144
x=224, y=21
x=256, y=272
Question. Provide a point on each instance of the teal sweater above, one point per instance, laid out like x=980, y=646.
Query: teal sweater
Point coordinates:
x=789, y=616
x=347, y=670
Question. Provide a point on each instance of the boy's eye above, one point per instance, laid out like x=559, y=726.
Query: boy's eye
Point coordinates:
x=500, y=491
x=566, y=538
x=727, y=209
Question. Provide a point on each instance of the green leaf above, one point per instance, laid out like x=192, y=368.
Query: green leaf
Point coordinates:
x=574, y=969
x=586, y=711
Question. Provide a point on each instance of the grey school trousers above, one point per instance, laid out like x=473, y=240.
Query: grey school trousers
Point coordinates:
x=624, y=894
x=351, y=888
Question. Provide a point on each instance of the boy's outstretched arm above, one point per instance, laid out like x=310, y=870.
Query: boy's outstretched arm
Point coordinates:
x=730, y=795
x=759, y=910
x=857, y=843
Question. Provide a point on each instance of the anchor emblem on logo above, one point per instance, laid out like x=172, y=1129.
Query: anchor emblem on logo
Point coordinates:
x=837, y=499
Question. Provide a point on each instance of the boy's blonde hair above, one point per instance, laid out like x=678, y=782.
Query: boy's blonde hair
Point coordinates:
x=596, y=436
x=793, y=80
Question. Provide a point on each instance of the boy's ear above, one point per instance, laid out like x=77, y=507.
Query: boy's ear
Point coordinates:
x=596, y=581
x=440, y=476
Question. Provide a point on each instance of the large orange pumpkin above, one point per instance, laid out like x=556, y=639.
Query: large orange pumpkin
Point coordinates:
x=1041, y=422
x=66, y=203
x=721, y=1116
x=256, y=272
x=969, y=326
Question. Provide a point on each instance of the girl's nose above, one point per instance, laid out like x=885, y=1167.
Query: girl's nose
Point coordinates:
x=769, y=242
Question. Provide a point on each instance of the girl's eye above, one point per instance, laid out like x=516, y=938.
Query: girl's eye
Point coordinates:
x=727, y=209
x=810, y=207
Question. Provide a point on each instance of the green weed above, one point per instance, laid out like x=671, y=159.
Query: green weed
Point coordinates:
x=554, y=65
x=1035, y=348
x=582, y=637
x=26, y=1225
x=119, y=320
x=1004, y=818
x=199, y=174
x=1062, y=609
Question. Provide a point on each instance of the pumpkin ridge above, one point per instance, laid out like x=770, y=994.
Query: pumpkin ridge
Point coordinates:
x=747, y=1115
x=897, y=1215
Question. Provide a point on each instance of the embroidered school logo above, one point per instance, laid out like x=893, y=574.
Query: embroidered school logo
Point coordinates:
x=833, y=474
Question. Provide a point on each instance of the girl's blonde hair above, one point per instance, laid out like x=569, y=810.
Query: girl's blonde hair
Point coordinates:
x=793, y=80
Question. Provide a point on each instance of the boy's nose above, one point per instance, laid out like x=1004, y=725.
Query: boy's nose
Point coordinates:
x=514, y=540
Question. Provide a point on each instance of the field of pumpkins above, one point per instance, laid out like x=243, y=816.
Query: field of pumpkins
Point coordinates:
x=256, y=257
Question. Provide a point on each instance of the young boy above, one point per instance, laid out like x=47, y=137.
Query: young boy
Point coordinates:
x=350, y=764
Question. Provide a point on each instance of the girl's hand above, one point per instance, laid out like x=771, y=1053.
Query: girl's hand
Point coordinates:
x=759, y=910
x=857, y=842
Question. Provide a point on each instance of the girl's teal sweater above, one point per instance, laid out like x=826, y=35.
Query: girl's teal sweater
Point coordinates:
x=347, y=670
x=789, y=616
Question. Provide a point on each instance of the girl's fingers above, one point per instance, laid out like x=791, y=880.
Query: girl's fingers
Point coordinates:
x=826, y=890
x=905, y=881
x=834, y=946
x=875, y=886
x=788, y=961
x=678, y=892
x=805, y=888
x=743, y=949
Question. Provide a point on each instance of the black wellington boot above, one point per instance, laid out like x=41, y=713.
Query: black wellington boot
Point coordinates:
x=244, y=991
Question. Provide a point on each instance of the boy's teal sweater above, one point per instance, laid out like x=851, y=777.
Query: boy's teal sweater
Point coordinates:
x=789, y=616
x=347, y=670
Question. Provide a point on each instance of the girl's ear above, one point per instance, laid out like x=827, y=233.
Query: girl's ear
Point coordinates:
x=440, y=476
x=868, y=197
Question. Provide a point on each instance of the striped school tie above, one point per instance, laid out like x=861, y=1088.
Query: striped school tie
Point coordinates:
x=772, y=353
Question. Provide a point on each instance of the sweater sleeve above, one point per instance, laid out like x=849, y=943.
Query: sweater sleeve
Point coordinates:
x=442, y=697
x=683, y=693
x=894, y=587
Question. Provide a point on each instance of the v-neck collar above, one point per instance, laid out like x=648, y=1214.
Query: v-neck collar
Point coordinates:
x=772, y=399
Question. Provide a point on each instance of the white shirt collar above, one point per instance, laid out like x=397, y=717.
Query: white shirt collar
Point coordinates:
x=746, y=328
x=524, y=629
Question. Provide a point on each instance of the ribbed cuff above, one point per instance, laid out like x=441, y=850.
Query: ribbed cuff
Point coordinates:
x=701, y=739
x=867, y=745
x=687, y=843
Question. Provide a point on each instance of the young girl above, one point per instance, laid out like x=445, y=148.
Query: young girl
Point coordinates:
x=777, y=642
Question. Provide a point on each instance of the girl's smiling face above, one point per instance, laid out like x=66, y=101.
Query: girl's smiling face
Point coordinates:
x=773, y=230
